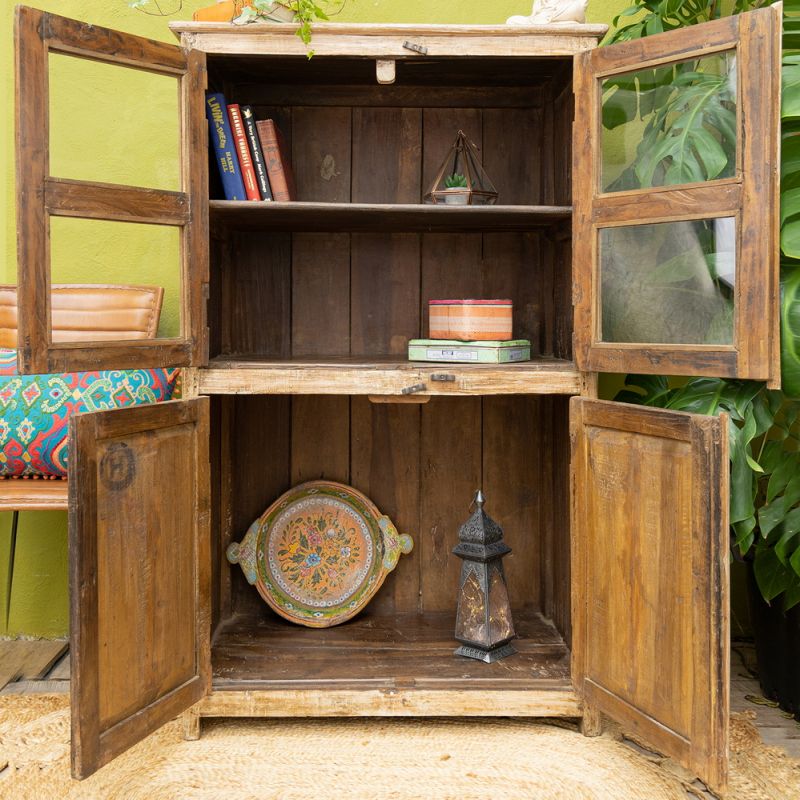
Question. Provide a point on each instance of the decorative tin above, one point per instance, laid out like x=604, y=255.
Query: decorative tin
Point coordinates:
x=470, y=320
x=461, y=179
x=319, y=553
x=451, y=350
x=483, y=621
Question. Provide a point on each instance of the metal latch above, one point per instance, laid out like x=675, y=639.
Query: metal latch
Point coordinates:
x=416, y=48
x=417, y=387
x=443, y=377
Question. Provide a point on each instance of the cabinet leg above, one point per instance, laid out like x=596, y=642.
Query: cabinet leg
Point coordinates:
x=191, y=725
x=591, y=722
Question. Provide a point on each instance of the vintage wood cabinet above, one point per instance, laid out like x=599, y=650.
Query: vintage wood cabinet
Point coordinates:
x=295, y=319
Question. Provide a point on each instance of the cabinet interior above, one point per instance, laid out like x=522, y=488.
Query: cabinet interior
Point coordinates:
x=421, y=465
x=322, y=281
x=346, y=274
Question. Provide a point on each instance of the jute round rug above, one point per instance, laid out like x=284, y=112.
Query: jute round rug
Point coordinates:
x=375, y=759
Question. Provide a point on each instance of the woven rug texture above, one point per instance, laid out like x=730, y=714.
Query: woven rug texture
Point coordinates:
x=375, y=758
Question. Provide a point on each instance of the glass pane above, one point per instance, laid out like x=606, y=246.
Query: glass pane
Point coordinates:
x=669, y=125
x=87, y=251
x=113, y=124
x=669, y=282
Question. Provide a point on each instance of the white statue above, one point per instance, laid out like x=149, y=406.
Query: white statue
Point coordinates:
x=546, y=12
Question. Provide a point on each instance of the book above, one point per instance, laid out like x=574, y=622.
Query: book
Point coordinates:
x=221, y=140
x=258, y=154
x=243, y=151
x=276, y=157
x=453, y=350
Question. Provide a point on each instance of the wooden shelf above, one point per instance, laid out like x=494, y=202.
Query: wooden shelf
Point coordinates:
x=389, y=375
x=393, y=664
x=383, y=217
x=20, y=494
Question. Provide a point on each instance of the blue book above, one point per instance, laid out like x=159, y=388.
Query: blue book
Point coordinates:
x=221, y=140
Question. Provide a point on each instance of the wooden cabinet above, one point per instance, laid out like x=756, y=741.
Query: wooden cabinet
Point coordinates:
x=295, y=323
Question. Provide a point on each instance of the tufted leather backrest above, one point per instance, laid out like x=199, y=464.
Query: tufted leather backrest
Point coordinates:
x=91, y=312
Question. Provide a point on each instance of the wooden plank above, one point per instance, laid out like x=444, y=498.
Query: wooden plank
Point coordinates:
x=385, y=466
x=258, y=287
x=135, y=667
x=41, y=656
x=384, y=293
x=381, y=41
x=451, y=472
x=33, y=495
x=514, y=162
x=319, y=95
x=72, y=198
x=60, y=672
x=646, y=490
x=32, y=168
x=551, y=702
x=321, y=145
x=375, y=376
x=383, y=217
x=66, y=35
x=382, y=650
x=320, y=294
x=36, y=687
x=320, y=445
x=387, y=144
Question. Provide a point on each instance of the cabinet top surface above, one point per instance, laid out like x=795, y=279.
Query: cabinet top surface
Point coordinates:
x=367, y=40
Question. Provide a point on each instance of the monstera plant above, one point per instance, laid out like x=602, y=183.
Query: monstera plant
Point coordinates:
x=690, y=137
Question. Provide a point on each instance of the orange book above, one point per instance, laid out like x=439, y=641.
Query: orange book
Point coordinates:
x=221, y=12
x=243, y=151
x=276, y=157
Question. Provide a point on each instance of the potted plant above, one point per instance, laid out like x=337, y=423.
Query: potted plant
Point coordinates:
x=456, y=190
x=764, y=446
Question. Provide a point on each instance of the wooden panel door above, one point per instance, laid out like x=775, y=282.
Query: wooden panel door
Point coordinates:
x=650, y=576
x=675, y=184
x=43, y=197
x=139, y=573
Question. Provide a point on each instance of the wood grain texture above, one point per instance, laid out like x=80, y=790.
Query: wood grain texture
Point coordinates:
x=33, y=495
x=649, y=560
x=41, y=195
x=381, y=651
x=354, y=375
x=321, y=154
x=750, y=197
x=140, y=571
x=386, y=41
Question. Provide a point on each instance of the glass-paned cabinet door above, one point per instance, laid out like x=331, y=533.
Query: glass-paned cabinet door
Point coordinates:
x=676, y=201
x=112, y=212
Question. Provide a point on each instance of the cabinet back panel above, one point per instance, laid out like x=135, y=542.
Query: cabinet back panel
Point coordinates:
x=421, y=465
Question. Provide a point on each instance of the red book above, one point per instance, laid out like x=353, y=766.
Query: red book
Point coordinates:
x=243, y=151
x=276, y=157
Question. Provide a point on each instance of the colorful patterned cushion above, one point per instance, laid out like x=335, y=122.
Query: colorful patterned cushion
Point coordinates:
x=35, y=409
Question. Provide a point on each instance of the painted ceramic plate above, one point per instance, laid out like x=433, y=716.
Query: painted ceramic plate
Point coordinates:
x=319, y=553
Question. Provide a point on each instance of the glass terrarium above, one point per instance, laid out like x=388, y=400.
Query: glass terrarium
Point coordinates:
x=461, y=180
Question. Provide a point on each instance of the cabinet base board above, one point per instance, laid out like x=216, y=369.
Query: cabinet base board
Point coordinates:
x=551, y=702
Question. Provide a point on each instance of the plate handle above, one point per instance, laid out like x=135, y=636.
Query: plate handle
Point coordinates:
x=244, y=553
x=394, y=543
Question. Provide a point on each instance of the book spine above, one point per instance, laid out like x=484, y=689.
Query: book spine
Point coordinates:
x=222, y=141
x=243, y=150
x=258, y=154
x=273, y=157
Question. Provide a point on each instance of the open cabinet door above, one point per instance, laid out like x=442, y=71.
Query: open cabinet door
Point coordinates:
x=114, y=221
x=650, y=577
x=139, y=573
x=675, y=190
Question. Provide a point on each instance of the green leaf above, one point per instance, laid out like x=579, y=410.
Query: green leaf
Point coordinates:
x=790, y=331
x=790, y=238
x=790, y=204
x=771, y=576
x=791, y=596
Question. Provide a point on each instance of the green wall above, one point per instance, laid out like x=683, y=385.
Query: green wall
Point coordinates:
x=98, y=133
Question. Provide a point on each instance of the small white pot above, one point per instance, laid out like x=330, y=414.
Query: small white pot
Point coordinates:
x=455, y=197
x=280, y=13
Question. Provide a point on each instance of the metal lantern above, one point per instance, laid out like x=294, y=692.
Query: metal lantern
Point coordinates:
x=461, y=180
x=483, y=621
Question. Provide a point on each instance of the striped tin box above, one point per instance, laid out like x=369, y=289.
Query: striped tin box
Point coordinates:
x=470, y=320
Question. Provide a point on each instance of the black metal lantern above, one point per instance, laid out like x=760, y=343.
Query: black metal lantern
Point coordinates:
x=483, y=621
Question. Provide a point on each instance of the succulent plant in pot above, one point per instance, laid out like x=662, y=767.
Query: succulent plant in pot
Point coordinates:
x=303, y=12
x=456, y=189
